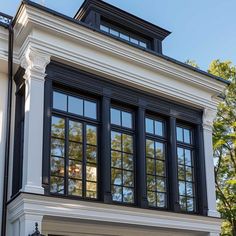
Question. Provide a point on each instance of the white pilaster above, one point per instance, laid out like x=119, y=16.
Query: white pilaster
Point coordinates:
x=34, y=64
x=208, y=118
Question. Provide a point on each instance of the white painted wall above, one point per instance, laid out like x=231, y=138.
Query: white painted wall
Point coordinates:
x=3, y=108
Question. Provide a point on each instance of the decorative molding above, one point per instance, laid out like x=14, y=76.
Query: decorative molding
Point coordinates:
x=34, y=62
x=208, y=118
x=59, y=207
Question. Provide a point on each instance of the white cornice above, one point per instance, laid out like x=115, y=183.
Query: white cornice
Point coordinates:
x=74, y=209
x=32, y=18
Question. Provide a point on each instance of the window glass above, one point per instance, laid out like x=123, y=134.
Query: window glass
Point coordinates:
x=115, y=116
x=104, y=28
x=59, y=101
x=149, y=126
x=90, y=109
x=75, y=105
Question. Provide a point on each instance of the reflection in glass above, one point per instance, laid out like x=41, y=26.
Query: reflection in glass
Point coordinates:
x=150, y=148
x=115, y=116
x=127, y=141
x=180, y=153
x=159, y=128
x=151, y=183
x=91, y=153
x=114, y=32
x=91, y=189
x=57, y=147
x=182, y=188
x=115, y=140
x=126, y=119
x=59, y=101
x=151, y=198
x=128, y=195
x=159, y=150
x=75, y=105
x=90, y=109
x=104, y=28
x=187, y=136
x=135, y=41
x=75, y=187
x=149, y=126
x=160, y=168
x=128, y=178
x=57, y=166
x=161, y=199
x=116, y=177
x=56, y=185
x=58, y=127
x=75, y=151
x=75, y=169
x=142, y=44
x=91, y=173
x=75, y=131
x=91, y=134
x=116, y=193
x=180, y=134
x=116, y=159
x=188, y=160
x=128, y=161
x=124, y=36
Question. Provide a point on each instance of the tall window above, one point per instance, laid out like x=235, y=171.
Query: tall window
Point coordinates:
x=122, y=155
x=74, y=138
x=185, y=155
x=156, y=162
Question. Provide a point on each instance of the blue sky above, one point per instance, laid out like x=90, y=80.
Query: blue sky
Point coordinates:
x=202, y=30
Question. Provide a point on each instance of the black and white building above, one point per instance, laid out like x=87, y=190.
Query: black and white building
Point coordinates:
x=100, y=133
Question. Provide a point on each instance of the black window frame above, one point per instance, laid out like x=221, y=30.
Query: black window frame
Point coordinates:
x=69, y=116
x=112, y=93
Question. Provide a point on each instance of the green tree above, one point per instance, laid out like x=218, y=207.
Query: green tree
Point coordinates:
x=224, y=141
x=192, y=63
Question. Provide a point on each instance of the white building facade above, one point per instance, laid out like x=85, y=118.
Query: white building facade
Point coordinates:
x=107, y=136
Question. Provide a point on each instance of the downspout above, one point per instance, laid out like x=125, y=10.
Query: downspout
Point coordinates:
x=8, y=128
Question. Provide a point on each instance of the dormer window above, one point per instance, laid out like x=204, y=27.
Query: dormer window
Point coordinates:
x=124, y=35
x=121, y=25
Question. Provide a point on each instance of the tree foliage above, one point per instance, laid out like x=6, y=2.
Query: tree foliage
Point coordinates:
x=224, y=141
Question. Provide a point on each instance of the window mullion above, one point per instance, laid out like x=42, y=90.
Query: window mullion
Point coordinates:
x=106, y=151
x=173, y=167
x=141, y=187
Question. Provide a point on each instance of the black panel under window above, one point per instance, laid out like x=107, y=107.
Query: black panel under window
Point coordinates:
x=18, y=141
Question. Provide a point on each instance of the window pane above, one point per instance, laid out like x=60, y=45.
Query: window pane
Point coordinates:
x=160, y=168
x=75, y=169
x=91, y=134
x=90, y=109
x=116, y=193
x=128, y=195
x=128, y=161
x=104, y=28
x=190, y=204
x=128, y=178
x=116, y=176
x=180, y=134
x=124, y=36
x=91, y=173
x=57, y=147
x=57, y=185
x=75, y=105
x=160, y=185
x=58, y=127
x=91, y=153
x=75, y=187
x=159, y=128
x=75, y=151
x=187, y=137
x=57, y=166
x=143, y=44
x=149, y=148
x=182, y=202
x=126, y=119
x=60, y=101
x=189, y=189
x=181, y=174
x=149, y=126
x=189, y=173
x=151, y=183
x=160, y=151
x=91, y=189
x=116, y=141
x=114, y=32
x=188, y=158
x=180, y=153
x=182, y=188
x=161, y=202
x=116, y=159
x=75, y=131
x=135, y=41
x=151, y=198
x=127, y=142
x=115, y=117
x=150, y=165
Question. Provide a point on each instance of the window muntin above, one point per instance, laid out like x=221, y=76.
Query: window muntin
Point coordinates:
x=123, y=35
x=186, y=181
x=156, y=177
x=74, y=154
x=122, y=156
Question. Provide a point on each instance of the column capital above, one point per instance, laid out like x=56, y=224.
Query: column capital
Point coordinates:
x=34, y=62
x=208, y=118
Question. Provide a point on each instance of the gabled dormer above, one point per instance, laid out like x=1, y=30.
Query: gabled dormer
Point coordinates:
x=122, y=25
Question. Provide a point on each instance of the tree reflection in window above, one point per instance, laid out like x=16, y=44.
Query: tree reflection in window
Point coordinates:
x=185, y=169
x=155, y=163
x=122, y=157
x=73, y=162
